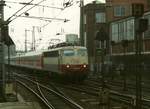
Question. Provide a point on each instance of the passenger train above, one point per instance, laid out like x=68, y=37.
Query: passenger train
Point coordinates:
x=69, y=62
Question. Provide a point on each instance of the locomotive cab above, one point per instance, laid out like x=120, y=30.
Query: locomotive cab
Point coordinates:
x=74, y=62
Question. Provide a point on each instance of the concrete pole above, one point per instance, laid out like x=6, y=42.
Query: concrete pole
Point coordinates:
x=25, y=46
x=138, y=39
x=33, y=39
x=2, y=69
x=82, y=22
x=7, y=84
x=2, y=3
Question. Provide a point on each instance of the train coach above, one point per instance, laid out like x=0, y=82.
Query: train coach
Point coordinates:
x=69, y=62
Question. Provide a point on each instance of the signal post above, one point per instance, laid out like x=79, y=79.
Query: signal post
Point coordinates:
x=2, y=67
x=6, y=84
x=141, y=25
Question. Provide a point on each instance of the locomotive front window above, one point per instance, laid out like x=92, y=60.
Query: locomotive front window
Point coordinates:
x=82, y=52
x=68, y=52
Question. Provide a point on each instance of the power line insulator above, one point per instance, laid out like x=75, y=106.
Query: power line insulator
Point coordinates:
x=26, y=14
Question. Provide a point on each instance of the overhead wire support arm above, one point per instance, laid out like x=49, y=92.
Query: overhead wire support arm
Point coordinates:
x=44, y=18
x=47, y=20
x=68, y=4
x=18, y=11
x=24, y=11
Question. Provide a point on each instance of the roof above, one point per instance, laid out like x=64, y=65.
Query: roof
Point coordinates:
x=8, y=41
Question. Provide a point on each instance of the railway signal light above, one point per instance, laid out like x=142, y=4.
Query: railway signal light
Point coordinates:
x=143, y=25
x=137, y=9
x=101, y=35
x=100, y=51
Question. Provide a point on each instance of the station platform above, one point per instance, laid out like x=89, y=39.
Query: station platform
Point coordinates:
x=20, y=104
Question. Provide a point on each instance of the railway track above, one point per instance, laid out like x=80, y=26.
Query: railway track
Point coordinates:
x=85, y=100
x=119, y=85
x=86, y=94
x=123, y=96
x=114, y=96
x=145, y=86
x=49, y=97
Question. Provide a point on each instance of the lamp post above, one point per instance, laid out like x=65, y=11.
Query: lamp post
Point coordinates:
x=112, y=44
x=82, y=22
x=124, y=45
x=102, y=37
x=141, y=25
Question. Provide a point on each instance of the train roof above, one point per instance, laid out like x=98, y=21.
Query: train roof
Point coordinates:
x=34, y=53
x=66, y=47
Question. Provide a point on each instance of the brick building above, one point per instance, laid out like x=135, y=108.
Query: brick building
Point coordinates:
x=121, y=22
x=122, y=28
x=94, y=19
x=117, y=9
x=108, y=15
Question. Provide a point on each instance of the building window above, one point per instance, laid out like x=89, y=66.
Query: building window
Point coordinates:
x=130, y=29
x=100, y=17
x=115, y=32
x=123, y=30
x=119, y=11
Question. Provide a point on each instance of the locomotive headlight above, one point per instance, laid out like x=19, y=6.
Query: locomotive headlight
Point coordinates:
x=84, y=66
x=67, y=66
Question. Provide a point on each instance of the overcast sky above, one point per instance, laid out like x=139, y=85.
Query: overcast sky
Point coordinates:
x=43, y=29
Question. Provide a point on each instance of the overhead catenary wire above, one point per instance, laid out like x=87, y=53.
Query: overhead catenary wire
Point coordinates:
x=26, y=10
x=44, y=18
x=69, y=2
x=19, y=10
x=49, y=22
x=44, y=6
x=27, y=3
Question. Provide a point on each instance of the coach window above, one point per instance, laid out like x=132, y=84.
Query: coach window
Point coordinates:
x=82, y=52
x=68, y=53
